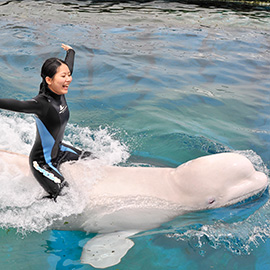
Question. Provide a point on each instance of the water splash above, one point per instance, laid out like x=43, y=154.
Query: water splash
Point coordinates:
x=21, y=206
x=100, y=142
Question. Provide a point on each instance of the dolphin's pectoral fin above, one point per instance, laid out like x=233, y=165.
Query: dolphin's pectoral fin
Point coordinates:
x=107, y=250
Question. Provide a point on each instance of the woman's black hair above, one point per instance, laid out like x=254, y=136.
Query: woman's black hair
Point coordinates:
x=49, y=69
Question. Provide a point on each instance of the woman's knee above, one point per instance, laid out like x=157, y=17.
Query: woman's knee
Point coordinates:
x=51, y=181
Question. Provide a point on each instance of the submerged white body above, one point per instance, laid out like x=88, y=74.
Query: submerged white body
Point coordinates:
x=144, y=198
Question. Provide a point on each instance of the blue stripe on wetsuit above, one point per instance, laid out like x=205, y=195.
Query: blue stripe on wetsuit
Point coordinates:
x=48, y=142
x=64, y=149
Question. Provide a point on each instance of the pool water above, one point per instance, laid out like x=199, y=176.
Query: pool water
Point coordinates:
x=155, y=84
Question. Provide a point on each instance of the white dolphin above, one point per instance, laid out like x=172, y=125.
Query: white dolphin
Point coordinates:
x=146, y=197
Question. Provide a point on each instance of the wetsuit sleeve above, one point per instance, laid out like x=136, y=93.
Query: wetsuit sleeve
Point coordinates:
x=28, y=106
x=70, y=59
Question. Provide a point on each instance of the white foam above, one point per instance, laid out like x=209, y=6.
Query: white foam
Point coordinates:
x=101, y=142
x=17, y=132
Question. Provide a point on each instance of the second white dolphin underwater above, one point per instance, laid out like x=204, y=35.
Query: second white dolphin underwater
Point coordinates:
x=207, y=182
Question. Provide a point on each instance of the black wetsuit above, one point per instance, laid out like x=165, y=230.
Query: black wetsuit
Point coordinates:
x=48, y=152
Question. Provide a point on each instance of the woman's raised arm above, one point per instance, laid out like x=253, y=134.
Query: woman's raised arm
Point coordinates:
x=69, y=56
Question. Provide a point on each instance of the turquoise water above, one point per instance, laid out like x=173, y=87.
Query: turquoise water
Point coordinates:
x=155, y=84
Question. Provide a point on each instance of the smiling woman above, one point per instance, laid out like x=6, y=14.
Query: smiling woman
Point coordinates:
x=60, y=82
x=52, y=115
x=56, y=74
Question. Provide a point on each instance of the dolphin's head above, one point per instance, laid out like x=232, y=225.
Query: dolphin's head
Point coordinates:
x=241, y=189
x=218, y=180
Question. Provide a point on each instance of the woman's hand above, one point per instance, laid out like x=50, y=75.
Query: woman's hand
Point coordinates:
x=66, y=47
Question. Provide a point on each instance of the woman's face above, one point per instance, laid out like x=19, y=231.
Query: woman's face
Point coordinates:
x=60, y=82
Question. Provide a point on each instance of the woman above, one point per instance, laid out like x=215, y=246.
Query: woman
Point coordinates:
x=51, y=115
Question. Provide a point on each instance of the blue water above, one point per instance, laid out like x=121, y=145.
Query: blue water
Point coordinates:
x=155, y=84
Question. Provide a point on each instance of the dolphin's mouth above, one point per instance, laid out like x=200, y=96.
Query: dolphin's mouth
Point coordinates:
x=251, y=196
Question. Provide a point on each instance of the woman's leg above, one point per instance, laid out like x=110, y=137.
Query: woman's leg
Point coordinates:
x=49, y=178
x=69, y=153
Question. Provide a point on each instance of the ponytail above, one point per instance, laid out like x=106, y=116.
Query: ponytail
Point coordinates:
x=42, y=87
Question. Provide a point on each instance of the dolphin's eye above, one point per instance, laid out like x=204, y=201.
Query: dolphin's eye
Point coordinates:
x=212, y=200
